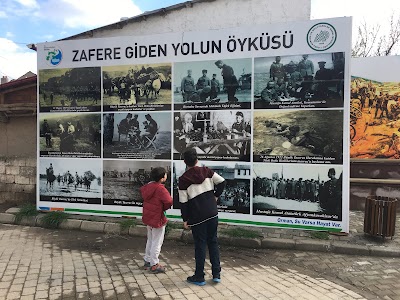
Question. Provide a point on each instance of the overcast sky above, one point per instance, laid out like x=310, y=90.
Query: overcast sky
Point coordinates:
x=32, y=21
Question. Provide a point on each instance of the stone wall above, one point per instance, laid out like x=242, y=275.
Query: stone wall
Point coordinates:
x=17, y=179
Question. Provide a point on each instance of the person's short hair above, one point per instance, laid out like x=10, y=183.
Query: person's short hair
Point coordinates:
x=218, y=62
x=190, y=157
x=239, y=113
x=157, y=173
x=204, y=71
x=332, y=171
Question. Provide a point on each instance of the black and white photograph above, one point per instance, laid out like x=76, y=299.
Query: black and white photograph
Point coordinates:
x=70, y=90
x=137, y=87
x=236, y=195
x=137, y=135
x=298, y=136
x=299, y=81
x=70, y=135
x=213, y=84
x=75, y=181
x=216, y=135
x=122, y=180
x=312, y=191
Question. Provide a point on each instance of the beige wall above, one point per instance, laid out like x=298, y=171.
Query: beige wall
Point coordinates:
x=215, y=14
x=17, y=179
x=18, y=137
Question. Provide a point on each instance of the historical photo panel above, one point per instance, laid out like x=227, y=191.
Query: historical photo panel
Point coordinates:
x=236, y=195
x=299, y=81
x=312, y=191
x=214, y=84
x=137, y=135
x=122, y=180
x=375, y=117
x=70, y=90
x=216, y=135
x=298, y=136
x=75, y=181
x=137, y=87
x=70, y=135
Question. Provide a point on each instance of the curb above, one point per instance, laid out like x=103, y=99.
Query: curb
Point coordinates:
x=185, y=236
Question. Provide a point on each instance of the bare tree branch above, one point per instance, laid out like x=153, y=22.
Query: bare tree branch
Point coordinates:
x=369, y=40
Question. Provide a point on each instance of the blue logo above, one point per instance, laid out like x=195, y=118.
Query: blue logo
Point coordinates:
x=54, y=56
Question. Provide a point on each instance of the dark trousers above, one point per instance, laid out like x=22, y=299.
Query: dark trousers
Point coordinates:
x=205, y=234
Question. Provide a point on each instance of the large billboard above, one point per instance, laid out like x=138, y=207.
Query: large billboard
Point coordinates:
x=375, y=108
x=264, y=106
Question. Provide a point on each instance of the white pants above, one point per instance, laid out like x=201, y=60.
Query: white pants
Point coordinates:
x=155, y=239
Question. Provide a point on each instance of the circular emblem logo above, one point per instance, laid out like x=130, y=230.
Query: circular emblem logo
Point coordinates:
x=321, y=36
x=53, y=56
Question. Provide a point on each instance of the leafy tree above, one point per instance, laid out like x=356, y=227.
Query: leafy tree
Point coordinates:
x=89, y=175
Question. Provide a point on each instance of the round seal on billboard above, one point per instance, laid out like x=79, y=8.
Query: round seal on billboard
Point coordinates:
x=54, y=55
x=321, y=36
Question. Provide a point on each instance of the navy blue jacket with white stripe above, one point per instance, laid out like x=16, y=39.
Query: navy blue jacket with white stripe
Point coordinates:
x=198, y=187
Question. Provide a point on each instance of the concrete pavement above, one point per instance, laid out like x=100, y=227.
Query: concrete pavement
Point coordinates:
x=37, y=263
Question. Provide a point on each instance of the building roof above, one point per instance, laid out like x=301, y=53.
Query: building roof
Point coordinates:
x=27, y=75
x=18, y=83
x=138, y=18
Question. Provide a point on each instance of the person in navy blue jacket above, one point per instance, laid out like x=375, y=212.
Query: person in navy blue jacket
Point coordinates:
x=199, y=189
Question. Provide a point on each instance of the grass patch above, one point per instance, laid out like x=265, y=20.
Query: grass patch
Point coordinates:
x=240, y=233
x=173, y=225
x=26, y=210
x=53, y=219
x=125, y=224
x=320, y=235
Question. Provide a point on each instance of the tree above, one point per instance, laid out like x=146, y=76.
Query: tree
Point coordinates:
x=371, y=42
x=89, y=175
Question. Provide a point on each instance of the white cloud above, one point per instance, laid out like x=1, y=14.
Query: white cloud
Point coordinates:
x=9, y=34
x=28, y=3
x=87, y=13
x=3, y=14
x=370, y=11
x=16, y=60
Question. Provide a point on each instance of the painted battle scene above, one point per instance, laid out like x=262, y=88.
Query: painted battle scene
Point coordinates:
x=70, y=135
x=126, y=87
x=211, y=84
x=305, y=136
x=77, y=89
x=216, y=135
x=123, y=180
x=374, y=119
x=315, y=80
x=312, y=189
x=70, y=180
x=236, y=195
x=137, y=135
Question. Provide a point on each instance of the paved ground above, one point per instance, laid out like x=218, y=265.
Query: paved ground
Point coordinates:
x=37, y=263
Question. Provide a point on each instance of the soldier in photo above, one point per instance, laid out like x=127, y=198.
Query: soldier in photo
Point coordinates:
x=78, y=129
x=322, y=76
x=109, y=129
x=269, y=94
x=230, y=81
x=331, y=194
x=215, y=87
x=47, y=133
x=306, y=67
x=277, y=70
x=188, y=87
x=203, y=86
x=151, y=128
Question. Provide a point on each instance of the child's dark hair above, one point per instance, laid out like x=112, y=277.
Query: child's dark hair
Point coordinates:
x=190, y=157
x=157, y=173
